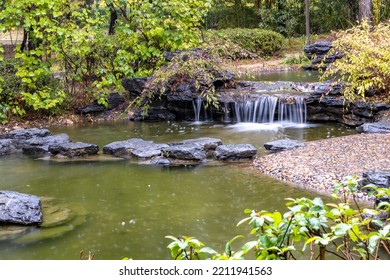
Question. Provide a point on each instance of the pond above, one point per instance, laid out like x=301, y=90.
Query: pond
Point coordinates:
x=291, y=76
x=122, y=208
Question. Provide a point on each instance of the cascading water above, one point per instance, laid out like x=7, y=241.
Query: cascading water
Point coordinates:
x=197, y=105
x=267, y=109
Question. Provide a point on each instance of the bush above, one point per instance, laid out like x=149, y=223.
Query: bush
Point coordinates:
x=261, y=42
x=10, y=86
x=232, y=17
x=366, y=62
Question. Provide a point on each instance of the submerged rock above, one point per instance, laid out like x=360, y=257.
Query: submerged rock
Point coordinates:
x=235, y=152
x=19, y=208
x=72, y=150
x=282, y=145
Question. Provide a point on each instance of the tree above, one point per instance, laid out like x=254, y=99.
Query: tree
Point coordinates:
x=307, y=17
x=72, y=37
x=365, y=10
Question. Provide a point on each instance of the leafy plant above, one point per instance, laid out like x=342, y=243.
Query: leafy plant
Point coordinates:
x=366, y=62
x=262, y=42
x=341, y=229
x=196, y=69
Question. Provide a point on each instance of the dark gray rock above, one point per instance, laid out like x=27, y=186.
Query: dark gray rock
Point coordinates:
x=148, y=151
x=114, y=100
x=380, y=178
x=376, y=127
x=208, y=144
x=282, y=145
x=7, y=147
x=329, y=88
x=185, y=152
x=317, y=48
x=73, y=150
x=125, y=148
x=19, y=208
x=134, y=86
x=235, y=152
x=318, y=53
x=24, y=134
x=40, y=145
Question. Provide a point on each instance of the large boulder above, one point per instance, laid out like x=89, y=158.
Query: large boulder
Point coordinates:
x=235, y=152
x=282, y=145
x=19, y=208
x=73, y=150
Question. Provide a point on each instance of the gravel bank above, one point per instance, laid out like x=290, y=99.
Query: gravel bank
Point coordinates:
x=319, y=164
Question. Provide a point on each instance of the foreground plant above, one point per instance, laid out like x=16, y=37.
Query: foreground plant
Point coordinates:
x=341, y=229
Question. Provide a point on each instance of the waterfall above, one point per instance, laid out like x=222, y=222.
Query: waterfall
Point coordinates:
x=197, y=105
x=267, y=109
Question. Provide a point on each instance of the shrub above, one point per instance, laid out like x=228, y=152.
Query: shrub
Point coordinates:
x=10, y=86
x=366, y=62
x=232, y=17
x=262, y=42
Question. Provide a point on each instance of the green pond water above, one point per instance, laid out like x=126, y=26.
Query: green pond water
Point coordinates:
x=121, y=208
x=292, y=76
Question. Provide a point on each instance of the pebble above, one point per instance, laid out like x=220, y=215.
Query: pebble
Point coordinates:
x=320, y=164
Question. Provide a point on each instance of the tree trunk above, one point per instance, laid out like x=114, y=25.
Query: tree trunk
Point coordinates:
x=113, y=18
x=365, y=10
x=307, y=16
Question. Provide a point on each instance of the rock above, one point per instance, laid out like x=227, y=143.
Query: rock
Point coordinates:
x=114, y=100
x=24, y=134
x=7, y=147
x=160, y=161
x=376, y=127
x=125, y=148
x=282, y=145
x=208, y=144
x=317, y=48
x=148, y=151
x=185, y=152
x=134, y=86
x=318, y=53
x=235, y=152
x=380, y=178
x=19, y=208
x=40, y=145
x=72, y=150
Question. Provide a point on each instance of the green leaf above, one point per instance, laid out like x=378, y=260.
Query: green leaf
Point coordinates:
x=341, y=229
